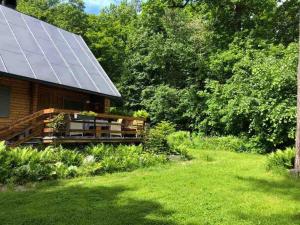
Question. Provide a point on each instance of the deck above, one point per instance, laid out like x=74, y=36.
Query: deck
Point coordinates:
x=58, y=126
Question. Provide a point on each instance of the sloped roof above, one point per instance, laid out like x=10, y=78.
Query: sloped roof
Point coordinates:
x=33, y=49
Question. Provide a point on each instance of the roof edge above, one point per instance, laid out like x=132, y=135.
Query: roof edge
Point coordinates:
x=9, y=75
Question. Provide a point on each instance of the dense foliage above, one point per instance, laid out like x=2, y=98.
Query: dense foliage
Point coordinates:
x=21, y=165
x=281, y=160
x=156, y=139
x=225, y=143
x=217, y=67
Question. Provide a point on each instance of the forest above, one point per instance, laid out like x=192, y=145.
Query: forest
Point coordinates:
x=215, y=67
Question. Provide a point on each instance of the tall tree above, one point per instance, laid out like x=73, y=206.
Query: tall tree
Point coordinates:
x=297, y=159
x=107, y=36
x=68, y=15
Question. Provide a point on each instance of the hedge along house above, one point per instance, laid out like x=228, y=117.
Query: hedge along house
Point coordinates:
x=44, y=71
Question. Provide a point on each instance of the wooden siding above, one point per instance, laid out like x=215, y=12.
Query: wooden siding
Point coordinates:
x=54, y=97
x=106, y=105
x=20, y=99
x=29, y=97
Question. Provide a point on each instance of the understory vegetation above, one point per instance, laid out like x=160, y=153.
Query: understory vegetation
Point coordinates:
x=281, y=160
x=21, y=165
x=26, y=164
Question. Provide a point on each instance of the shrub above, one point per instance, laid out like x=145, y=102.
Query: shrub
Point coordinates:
x=179, y=142
x=123, y=158
x=227, y=143
x=99, y=151
x=58, y=122
x=141, y=114
x=88, y=113
x=156, y=140
x=90, y=169
x=165, y=103
x=21, y=165
x=258, y=100
x=281, y=160
x=120, y=111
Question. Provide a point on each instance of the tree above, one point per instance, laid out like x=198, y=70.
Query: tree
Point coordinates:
x=297, y=158
x=107, y=37
x=258, y=100
x=68, y=15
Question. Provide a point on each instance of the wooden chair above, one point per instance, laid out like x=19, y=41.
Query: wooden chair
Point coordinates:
x=76, y=126
x=138, y=126
x=117, y=126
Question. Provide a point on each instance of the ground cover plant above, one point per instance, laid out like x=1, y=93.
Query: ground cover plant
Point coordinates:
x=217, y=187
x=26, y=164
x=281, y=160
x=29, y=164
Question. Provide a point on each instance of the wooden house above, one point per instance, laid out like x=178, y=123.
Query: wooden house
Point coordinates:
x=46, y=71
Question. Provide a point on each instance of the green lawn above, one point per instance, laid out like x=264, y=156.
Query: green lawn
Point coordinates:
x=215, y=188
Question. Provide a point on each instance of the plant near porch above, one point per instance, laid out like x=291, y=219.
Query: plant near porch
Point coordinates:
x=27, y=164
x=57, y=124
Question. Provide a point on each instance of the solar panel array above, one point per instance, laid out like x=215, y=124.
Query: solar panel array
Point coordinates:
x=34, y=49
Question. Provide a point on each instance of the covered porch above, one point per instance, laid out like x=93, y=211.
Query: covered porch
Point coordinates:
x=59, y=126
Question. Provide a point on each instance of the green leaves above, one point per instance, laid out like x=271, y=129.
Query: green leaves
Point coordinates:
x=258, y=100
x=218, y=67
x=68, y=15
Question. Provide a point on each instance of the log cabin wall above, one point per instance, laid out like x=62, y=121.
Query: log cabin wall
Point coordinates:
x=60, y=98
x=28, y=97
x=20, y=99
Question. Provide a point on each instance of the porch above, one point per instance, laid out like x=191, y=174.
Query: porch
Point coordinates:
x=59, y=126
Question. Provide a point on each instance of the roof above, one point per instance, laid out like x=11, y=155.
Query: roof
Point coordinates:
x=36, y=50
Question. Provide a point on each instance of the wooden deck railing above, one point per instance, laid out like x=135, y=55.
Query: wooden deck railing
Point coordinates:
x=75, y=128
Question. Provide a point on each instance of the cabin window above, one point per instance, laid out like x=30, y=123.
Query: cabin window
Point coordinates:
x=4, y=101
x=73, y=105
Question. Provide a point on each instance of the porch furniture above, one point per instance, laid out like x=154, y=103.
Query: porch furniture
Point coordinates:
x=105, y=128
x=116, y=129
x=76, y=126
x=101, y=125
x=138, y=126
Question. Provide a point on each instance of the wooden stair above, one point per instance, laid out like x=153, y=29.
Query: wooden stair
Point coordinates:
x=24, y=129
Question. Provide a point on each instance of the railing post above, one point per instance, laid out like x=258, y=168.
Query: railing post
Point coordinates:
x=95, y=129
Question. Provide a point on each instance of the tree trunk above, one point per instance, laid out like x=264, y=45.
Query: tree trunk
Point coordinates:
x=297, y=160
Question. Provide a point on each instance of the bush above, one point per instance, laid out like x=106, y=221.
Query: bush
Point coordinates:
x=21, y=165
x=124, y=158
x=141, y=114
x=88, y=113
x=179, y=142
x=156, y=140
x=281, y=160
x=165, y=103
x=58, y=122
x=227, y=143
x=258, y=100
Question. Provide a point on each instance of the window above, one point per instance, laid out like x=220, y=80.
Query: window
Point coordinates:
x=73, y=105
x=4, y=101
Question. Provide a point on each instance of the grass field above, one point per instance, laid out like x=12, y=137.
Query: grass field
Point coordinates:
x=216, y=187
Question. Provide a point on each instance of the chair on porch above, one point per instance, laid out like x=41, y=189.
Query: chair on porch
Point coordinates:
x=116, y=127
x=76, y=126
x=138, y=125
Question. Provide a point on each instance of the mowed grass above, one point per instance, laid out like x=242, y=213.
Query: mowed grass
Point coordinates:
x=216, y=187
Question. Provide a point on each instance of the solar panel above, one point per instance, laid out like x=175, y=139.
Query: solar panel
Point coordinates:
x=37, y=50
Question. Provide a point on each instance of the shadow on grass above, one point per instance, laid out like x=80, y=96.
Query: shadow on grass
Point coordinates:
x=80, y=205
x=285, y=188
x=289, y=187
